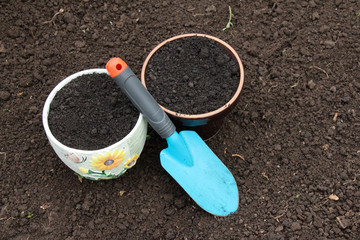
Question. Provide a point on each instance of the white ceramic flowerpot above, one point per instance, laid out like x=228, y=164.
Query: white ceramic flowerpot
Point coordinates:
x=106, y=163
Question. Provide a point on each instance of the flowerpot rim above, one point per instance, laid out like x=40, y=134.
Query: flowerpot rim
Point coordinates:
x=214, y=112
x=46, y=111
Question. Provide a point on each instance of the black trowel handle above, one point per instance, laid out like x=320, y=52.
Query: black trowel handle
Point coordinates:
x=140, y=97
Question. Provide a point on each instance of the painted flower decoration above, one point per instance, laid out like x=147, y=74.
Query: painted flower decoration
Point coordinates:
x=84, y=170
x=74, y=158
x=109, y=161
x=131, y=162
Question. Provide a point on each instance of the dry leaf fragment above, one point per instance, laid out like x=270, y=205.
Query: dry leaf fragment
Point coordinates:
x=333, y=197
x=122, y=193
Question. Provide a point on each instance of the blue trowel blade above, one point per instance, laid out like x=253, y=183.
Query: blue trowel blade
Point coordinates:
x=200, y=173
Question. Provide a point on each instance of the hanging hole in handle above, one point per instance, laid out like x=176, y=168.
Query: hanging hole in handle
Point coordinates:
x=118, y=66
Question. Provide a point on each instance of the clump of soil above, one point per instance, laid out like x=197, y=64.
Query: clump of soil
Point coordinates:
x=91, y=113
x=192, y=75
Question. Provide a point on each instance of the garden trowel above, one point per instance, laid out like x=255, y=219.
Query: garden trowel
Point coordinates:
x=187, y=158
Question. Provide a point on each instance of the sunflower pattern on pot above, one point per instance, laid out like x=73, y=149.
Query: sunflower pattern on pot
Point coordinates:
x=131, y=162
x=108, y=165
x=108, y=161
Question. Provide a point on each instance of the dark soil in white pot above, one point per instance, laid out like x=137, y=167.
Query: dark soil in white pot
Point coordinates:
x=192, y=75
x=91, y=113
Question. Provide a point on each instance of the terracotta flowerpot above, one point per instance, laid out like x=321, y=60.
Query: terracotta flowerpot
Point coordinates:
x=206, y=124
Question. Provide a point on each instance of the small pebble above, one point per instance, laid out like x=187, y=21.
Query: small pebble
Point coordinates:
x=121, y=226
x=254, y=115
x=33, y=109
x=338, y=2
x=220, y=60
x=346, y=99
x=4, y=95
x=191, y=84
x=333, y=89
x=80, y=44
x=103, y=131
x=279, y=228
x=167, y=100
x=179, y=203
x=295, y=226
x=315, y=16
x=204, y=52
x=344, y=176
x=152, y=77
x=145, y=211
x=324, y=28
x=329, y=43
x=94, y=131
x=312, y=3
x=211, y=8
x=311, y=84
x=318, y=222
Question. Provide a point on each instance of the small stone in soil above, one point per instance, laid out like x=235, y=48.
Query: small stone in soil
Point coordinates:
x=329, y=43
x=220, y=60
x=167, y=100
x=295, y=226
x=279, y=228
x=80, y=44
x=4, y=95
x=94, y=131
x=204, y=52
x=179, y=203
x=311, y=84
x=152, y=77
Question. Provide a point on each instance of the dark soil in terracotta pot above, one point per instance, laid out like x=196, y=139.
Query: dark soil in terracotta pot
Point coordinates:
x=192, y=75
x=91, y=112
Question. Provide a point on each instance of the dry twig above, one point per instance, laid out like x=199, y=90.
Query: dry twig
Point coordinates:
x=52, y=20
x=238, y=155
x=318, y=68
x=282, y=214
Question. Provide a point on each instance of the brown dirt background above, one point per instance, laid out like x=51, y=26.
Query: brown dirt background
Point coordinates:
x=298, y=144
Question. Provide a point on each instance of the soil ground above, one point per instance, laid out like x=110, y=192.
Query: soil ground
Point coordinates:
x=292, y=142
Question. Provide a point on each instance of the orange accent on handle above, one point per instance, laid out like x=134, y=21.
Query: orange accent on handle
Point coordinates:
x=115, y=66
